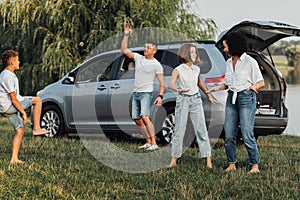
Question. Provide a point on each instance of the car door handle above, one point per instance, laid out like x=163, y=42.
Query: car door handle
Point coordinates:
x=102, y=87
x=115, y=86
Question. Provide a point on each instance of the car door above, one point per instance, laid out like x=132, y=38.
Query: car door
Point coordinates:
x=89, y=105
x=120, y=95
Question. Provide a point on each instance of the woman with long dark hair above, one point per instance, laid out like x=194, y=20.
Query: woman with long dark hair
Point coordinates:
x=243, y=79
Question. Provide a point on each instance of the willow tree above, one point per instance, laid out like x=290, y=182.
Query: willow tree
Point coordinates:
x=52, y=37
x=46, y=34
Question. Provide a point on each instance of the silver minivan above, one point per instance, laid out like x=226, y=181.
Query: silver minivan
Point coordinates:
x=95, y=97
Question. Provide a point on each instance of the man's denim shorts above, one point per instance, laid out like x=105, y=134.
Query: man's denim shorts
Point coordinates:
x=141, y=104
x=14, y=116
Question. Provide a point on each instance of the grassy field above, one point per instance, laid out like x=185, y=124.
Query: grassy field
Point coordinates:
x=64, y=169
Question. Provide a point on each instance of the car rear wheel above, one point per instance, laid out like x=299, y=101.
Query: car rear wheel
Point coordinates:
x=167, y=125
x=167, y=121
x=52, y=120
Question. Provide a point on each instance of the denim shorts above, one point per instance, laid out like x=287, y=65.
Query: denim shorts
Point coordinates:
x=14, y=116
x=141, y=104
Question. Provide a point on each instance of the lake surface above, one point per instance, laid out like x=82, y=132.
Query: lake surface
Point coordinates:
x=293, y=105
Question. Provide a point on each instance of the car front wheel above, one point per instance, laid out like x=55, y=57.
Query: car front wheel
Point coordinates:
x=52, y=120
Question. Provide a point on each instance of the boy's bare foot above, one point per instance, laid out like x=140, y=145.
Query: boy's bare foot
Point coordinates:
x=16, y=161
x=40, y=132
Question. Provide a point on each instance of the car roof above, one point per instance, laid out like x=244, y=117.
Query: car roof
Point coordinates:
x=261, y=34
x=161, y=46
x=176, y=44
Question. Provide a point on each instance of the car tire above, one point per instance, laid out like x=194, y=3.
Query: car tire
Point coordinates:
x=166, y=122
x=167, y=125
x=52, y=120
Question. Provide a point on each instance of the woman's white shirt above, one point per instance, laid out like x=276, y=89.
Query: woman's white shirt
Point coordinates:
x=246, y=73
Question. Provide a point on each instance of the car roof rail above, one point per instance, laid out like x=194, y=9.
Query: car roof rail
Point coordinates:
x=188, y=41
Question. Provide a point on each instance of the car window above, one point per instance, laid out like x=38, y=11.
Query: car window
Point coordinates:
x=159, y=56
x=170, y=61
x=126, y=69
x=127, y=66
x=205, y=64
x=99, y=69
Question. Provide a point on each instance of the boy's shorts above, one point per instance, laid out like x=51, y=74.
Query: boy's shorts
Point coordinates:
x=14, y=116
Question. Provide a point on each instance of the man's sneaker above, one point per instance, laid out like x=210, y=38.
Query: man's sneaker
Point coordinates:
x=145, y=146
x=152, y=147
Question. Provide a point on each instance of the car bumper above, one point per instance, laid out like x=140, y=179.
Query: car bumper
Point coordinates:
x=268, y=125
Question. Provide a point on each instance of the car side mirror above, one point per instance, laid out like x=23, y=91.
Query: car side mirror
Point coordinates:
x=70, y=79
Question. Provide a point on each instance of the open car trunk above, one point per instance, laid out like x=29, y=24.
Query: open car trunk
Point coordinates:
x=271, y=113
x=270, y=99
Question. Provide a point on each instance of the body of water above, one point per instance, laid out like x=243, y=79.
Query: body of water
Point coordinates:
x=293, y=105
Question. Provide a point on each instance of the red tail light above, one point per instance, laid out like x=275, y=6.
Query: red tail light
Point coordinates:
x=215, y=79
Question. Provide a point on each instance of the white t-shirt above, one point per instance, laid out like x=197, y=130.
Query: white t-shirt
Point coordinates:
x=246, y=73
x=188, y=78
x=145, y=73
x=8, y=83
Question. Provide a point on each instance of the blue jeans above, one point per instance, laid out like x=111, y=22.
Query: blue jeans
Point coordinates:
x=141, y=104
x=190, y=106
x=242, y=111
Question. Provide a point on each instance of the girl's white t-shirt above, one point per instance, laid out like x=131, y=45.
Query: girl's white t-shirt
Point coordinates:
x=188, y=78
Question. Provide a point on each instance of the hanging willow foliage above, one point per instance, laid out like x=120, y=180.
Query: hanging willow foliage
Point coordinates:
x=54, y=36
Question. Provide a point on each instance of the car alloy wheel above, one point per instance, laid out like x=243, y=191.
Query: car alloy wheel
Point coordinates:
x=51, y=120
x=166, y=122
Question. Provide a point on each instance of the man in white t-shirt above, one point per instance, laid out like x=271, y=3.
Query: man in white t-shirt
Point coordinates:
x=146, y=69
x=12, y=104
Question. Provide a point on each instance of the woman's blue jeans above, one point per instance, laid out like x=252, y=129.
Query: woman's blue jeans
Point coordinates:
x=243, y=112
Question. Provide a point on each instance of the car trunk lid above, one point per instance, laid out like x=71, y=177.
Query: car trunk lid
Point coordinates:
x=261, y=34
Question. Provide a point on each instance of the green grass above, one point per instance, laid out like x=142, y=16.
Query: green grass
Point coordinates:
x=64, y=169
